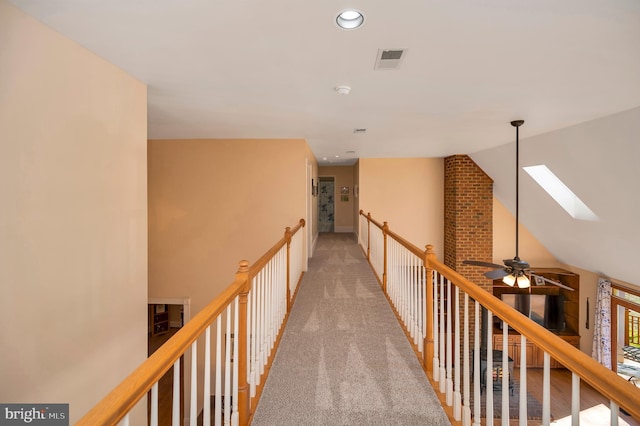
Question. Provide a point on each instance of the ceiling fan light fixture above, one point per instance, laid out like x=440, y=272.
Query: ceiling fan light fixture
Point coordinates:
x=523, y=281
x=509, y=280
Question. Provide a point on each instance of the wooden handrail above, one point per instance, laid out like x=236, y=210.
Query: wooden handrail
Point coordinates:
x=605, y=381
x=127, y=394
x=599, y=377
x=265, y=258
x=372, y=220
x=113, y=408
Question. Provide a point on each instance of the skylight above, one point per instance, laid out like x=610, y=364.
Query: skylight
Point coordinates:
x=560, y=192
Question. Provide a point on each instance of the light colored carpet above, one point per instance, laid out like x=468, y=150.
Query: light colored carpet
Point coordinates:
x=343, y=358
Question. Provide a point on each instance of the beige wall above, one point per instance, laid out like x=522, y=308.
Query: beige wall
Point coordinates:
x=504, y=237
x=73, y=222
x=343, y=209
x=213, y=203
x=407, y=193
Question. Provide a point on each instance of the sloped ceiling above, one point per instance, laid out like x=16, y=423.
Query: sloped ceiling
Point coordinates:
x=268, y=69
x=599, y=161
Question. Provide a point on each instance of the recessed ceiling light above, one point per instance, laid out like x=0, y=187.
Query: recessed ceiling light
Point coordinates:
x=350, y=19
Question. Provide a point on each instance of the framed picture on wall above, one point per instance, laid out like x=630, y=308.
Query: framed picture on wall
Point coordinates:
x=344, y=190
x=344, y=198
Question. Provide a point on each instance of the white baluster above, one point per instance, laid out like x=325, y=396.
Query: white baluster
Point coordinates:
x=252, y=337
x=575, y=399
x=249, y=334
x=261, y=326
x=489, y=368
x=615, y=412
x=436, y=327
x=449, y=394
x=417, y=299
x=175, y=410
x=505, y=374
x=206, y=394
x=523, y=380
x=227, y=369
x=476, y=366
x=154, y=404
x=193, y=413
x=423, y=306
x=443, y=373
x=125, y=420
x=466, y=391
x=218, y=392
x=546, y=390
x=236, y=336
x=457, y=396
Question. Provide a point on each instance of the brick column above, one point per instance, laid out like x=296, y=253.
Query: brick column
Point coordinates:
x=468, y=220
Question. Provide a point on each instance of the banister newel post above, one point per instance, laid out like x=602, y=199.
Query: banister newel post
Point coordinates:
x=287, y=236
x=385, y=230
x=243, y=385
x=429, y=255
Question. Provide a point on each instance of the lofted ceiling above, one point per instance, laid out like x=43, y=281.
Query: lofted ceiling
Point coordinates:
x=258, y=69
x=269, y=69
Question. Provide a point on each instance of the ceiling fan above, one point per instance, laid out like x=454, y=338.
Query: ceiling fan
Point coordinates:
x=514, y=271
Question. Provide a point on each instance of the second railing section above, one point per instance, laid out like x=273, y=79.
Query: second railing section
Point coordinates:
x=443, y=315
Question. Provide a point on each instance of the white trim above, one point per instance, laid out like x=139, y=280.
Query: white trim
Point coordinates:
x=313, y=245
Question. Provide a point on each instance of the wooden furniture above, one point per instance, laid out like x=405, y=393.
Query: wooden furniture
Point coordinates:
x=535, y=356
x=159, y=319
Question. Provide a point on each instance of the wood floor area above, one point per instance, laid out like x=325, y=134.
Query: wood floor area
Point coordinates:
x=594, y=408
x=165, y=385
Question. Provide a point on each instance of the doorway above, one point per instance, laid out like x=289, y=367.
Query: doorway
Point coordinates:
x=625, y=333
x=166, y=317
x=326, y=204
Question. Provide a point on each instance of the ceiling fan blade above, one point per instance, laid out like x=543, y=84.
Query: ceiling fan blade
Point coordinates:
x=553, y=282
x=497, y=274
x=479, y=263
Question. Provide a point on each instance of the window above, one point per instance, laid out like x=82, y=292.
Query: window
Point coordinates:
x=560, y=193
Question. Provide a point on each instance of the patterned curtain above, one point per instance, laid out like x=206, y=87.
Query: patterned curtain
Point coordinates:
x=602, y=332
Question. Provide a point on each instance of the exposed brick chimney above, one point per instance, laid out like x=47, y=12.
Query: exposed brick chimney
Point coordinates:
x=468, y=220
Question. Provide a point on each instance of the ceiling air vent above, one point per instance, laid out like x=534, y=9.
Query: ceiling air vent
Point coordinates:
x=389, y=59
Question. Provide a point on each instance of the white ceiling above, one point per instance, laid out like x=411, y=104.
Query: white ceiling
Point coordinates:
x=267, y=69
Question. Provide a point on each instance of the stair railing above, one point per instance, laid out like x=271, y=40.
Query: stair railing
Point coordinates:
x=254, y=308
x=438, y=308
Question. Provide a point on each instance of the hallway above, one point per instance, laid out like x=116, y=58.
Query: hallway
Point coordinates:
x=343, y=358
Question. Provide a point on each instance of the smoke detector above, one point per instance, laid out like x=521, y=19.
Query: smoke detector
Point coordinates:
x=343, y=90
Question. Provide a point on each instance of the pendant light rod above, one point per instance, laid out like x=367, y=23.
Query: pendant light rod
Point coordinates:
x=517, y=124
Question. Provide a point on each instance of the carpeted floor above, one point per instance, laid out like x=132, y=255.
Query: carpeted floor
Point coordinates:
x=343, y=358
